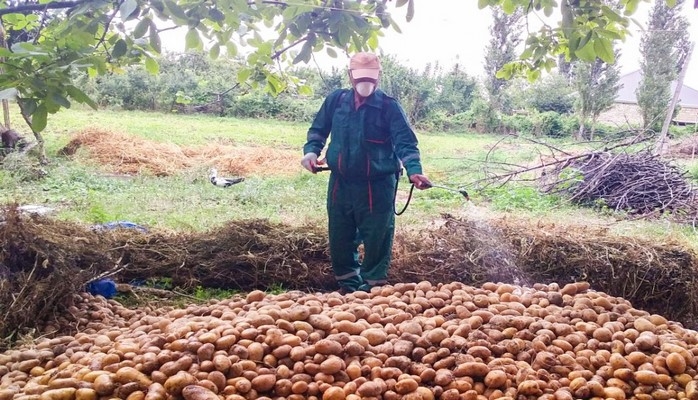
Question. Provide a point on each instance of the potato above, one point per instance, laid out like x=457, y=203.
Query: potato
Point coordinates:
x=194, y=392
x=58, y=394
x=676, y=363
x=369, y=389
x=328, y=347
x=375, y=337
x=334, y=393
x=127, y=374
x=156, y=392
x=407, y=385
x=263, y=383
x=104, y=385
x=495, y=379
x=177, y=382
x=332, y=365
x=85, y=394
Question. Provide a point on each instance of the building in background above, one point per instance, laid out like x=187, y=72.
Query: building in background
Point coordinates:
x=625, y=110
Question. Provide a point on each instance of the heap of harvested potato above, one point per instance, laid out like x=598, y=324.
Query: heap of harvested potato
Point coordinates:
x=409, y=341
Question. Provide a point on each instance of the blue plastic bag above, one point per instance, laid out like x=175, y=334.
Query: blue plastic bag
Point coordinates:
x=102, y=287
x=121, y=224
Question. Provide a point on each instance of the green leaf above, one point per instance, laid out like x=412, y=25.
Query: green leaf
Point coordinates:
x=216, y=15
x=400, y=3
x=343, y=35
x=305, y=53
x=8, y=94
x=533, y=74
x=481, y=4
x=410, y=11
x=39, y=118
x=583, y=41
x=215, y=51
x=152, y=66
x=631, y=7
x=305, y=90
x=231, y=49
x=244, y=74
x=586, y=52
x=508, y=6
x=330, y=52
x=80, y=96
x=60, y=100
x=604, y=50
x=192, y=40
x=141, y=28
x=155, y=41
x=120, y=49
x=127, y=8
x=175, y=9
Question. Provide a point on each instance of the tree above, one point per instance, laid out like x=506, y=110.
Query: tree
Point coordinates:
x=551, y=93
x=586, y=30
x=663, y=47
x=51, y=39
x=505, y=33
x=48, y=41
x=597, y=85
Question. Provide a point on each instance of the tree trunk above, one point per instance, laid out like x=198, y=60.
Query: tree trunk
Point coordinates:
x=593, y=129
x=39, y=139
x=580, y=133
x=662, y=141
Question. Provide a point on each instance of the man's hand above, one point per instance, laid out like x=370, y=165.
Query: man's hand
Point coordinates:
x=309, y=162
x=420, y=181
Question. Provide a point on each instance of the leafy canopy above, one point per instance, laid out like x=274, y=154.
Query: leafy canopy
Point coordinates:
x=586, y=31
x=48, y=41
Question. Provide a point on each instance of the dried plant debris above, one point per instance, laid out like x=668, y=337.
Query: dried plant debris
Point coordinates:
x=638, y=183
x=44, y=263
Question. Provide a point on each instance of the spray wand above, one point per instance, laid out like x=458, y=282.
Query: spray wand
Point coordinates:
x=461, y=191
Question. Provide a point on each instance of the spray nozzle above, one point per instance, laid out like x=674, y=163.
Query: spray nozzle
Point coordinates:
x=461, y=191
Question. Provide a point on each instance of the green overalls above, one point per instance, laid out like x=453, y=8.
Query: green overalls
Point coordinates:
x=364, y=155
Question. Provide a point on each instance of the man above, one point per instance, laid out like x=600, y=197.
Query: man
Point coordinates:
x=371, y=139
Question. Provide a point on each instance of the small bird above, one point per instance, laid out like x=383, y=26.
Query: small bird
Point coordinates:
x=223, y=182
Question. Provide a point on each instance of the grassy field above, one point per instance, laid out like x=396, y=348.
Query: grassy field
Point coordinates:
x=82, y=190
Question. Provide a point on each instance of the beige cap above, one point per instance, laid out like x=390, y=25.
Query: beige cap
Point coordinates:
x=364, y=65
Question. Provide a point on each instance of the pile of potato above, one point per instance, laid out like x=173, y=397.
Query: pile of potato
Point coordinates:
x=409, y=341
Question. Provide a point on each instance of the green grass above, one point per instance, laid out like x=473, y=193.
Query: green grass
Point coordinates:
x=187, y=201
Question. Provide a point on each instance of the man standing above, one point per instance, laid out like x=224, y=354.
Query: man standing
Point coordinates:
x=371, y=141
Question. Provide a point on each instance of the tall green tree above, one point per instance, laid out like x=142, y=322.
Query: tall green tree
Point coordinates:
x=663, y=47
x=505, y=36
x=597, y=85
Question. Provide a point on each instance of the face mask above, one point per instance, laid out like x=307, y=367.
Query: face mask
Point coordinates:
x=365, y=89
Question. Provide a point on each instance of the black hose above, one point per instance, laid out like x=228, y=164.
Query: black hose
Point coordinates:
x=409, y=197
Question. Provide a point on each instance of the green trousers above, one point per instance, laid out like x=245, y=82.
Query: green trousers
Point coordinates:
x=361, y=212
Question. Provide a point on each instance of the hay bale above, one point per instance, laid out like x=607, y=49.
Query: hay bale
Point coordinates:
x=127, y=154
x=244, y=255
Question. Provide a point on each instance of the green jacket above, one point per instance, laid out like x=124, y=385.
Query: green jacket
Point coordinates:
x=366, y=143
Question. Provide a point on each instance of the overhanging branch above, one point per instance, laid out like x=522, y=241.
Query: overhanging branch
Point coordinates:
x=41, y=7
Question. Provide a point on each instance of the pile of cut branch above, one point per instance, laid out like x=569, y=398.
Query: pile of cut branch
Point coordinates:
x=638, y=183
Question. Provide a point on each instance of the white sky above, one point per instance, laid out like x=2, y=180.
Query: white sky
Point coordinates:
x=450, y=31
x=457, y=31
